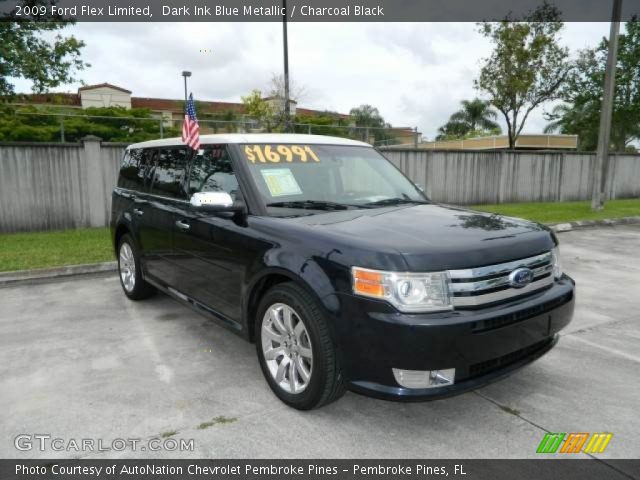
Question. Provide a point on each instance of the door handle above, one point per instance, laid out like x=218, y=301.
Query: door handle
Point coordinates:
x=182, y=225
x=138, y=211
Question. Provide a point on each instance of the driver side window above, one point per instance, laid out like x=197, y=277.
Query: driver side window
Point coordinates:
x=211, y=171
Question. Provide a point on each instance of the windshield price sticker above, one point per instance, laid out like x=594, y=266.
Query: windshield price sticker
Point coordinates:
x=280, y=153
x=280, y=182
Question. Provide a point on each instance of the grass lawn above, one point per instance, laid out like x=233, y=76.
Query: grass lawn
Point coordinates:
x=25, y=251
x=560, y=212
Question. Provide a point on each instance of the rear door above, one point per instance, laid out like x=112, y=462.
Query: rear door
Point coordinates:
x=157, y=211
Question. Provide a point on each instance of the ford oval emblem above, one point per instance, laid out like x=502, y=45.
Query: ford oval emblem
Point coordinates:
x=520, y=277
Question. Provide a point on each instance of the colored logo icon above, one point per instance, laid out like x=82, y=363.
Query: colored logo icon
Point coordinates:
x=574, y=442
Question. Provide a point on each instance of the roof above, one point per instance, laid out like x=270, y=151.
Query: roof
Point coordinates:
x=177, y=106
x=55, y=99
x=256, y=138
x=275, y=97
x=311, y=113
x=103, y=85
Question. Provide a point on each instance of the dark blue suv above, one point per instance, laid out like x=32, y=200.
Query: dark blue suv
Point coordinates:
x=338, y=267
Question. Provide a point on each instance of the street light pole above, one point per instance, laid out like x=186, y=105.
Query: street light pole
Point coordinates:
x=285, y=41
x=604, y=133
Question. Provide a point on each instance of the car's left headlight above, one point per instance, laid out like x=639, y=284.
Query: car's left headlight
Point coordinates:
x=408, y=292
x=555, y=260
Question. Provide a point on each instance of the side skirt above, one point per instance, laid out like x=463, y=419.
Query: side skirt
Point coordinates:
x=199, y=307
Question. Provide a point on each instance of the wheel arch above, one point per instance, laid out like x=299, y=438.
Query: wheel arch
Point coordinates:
x=262, y=284
x=120, y=230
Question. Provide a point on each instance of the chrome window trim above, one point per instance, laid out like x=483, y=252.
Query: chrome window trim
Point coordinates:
x=500, y=268
x=478, y=300
x=145, y=194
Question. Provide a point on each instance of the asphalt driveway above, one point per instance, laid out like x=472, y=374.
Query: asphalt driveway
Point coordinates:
x=78, y=360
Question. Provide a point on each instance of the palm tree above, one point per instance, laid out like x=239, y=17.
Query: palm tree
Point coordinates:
x=580, y=119
x=367, y=116
x=475, y=116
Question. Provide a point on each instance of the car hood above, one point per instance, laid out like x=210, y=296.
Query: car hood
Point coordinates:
x=435, y=237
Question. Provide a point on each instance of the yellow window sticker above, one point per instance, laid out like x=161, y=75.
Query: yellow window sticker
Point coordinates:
x=280, y=153
x=280, y=182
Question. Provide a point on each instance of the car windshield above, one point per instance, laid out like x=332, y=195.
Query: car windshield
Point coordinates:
x=305, y=179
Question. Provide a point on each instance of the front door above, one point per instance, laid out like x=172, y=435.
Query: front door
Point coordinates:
x=212, y=250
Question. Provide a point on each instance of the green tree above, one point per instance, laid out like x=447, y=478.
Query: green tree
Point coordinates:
x=24, y=53
x=368, y=117
x=583, y=91
x=115, y=124
x=476, y=117
x=527, y=66
x=325, y=124
x=258, y=108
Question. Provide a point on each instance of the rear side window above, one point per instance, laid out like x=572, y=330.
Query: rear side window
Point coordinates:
x=169, y=172
x=211, y=171
x=131, y=162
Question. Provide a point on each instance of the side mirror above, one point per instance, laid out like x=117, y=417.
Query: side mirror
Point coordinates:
x=213, y=202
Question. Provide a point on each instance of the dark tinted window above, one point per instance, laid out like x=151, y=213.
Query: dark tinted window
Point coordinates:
x=146, y=166
x=211, y=171
x=129, y=169
x=169, y=172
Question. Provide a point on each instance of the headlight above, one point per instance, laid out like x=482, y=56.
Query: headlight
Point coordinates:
x=555, y=259
x=408, y=292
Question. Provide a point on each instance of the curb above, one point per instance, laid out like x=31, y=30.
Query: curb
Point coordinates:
x=607, y=222
x=31, y=276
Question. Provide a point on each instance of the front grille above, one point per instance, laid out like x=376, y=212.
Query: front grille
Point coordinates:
x=482, y=286
x=488, y=366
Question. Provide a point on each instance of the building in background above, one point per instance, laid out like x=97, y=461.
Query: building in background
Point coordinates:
x=106, y=95
x=501, y=142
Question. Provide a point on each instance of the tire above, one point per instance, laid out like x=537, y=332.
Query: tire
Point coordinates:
x=309, y=349
x=130, y=271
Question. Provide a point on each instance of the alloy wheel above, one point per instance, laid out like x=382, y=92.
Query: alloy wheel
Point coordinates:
x=127, y=267
x=287, y=348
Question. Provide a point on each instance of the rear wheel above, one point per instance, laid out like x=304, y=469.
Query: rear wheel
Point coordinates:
x=296, y=353
x=130, y=272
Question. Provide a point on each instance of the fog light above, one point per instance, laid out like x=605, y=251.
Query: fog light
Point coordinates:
x=424, y=378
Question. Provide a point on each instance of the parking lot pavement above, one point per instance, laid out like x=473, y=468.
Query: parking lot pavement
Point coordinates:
x=80, y=361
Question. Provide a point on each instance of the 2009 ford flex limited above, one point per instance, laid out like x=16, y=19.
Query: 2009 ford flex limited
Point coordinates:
x=339, y=268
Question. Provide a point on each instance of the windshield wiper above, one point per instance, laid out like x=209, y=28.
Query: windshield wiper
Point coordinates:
x=395, y=201
x=312, y=205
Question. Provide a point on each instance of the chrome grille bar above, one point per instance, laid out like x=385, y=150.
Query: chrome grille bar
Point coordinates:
x=494, y=282
x=501, y=268
x=483, y=285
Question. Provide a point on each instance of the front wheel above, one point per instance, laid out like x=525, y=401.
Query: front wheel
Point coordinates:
x=296, y=353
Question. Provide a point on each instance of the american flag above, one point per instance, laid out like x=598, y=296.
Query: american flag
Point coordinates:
x=190, y=127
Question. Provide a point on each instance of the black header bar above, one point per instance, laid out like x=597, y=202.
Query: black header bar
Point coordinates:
x=548, y=469
x=305, y=10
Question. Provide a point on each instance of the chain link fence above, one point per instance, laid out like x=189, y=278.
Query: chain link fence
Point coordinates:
x=71, y=127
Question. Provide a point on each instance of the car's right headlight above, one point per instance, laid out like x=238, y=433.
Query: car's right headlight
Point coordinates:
x=408, y=292
x=555, y=261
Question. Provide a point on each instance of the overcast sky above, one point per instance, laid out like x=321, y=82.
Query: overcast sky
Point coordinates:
x=416, y=74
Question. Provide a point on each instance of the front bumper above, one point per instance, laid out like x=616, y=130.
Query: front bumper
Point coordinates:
x=482, y=344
